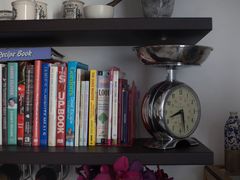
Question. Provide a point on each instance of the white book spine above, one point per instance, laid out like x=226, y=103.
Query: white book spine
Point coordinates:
x=82, y=110
x=110, y=113
x=85, y=121
x=78, y=101
x=1, y=71
x=115, y=107
x=52, y=117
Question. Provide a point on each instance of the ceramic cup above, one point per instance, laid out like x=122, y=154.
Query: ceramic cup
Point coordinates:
x=73, y=9
x=24, y=9
x=41, y=10
x=6, y=15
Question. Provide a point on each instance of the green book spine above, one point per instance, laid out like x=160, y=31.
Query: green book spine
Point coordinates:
x=12, y=102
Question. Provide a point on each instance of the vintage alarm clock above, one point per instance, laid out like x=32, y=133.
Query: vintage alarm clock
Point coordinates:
x=171, y=109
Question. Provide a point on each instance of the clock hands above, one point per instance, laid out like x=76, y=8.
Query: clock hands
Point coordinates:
x=181, y=112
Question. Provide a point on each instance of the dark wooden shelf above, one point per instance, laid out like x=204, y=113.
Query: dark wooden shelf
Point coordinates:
x=103, y=32
x=197, y=155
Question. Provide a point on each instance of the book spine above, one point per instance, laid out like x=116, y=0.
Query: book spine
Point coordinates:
x=92, y=108
x=82, y=111
x=36, y=104
x=1, y=122
x=109, y=142
x=12, y=103
x=102, y=106
x=29, y=105
x=124, y=131
x=52, y=113
x=77, y=112
x=4, y=105
x=21, y=102
x=86, y=117
x=44, y=105
x=61, y=104
x=131, y=113
x=119, y=127
x=115, y=108
x=71, y=104
x=25, y=54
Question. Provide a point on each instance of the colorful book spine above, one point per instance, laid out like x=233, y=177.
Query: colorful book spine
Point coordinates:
x=29, y=105
x=44, y=105
x=36, y=105
x=115, y=107
x=85, y=119
x=32, y=53
x=52, y=113
x=21, y=101
x=61, y=104
x=12, y=102
x=102, y=106
x=4, y=105
x=1, y=110
x=92, y=108
x=71, y=100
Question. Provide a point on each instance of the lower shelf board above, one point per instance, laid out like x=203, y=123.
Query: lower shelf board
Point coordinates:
x=195, y=155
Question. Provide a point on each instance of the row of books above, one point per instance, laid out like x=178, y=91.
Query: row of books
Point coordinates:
x=54, y=103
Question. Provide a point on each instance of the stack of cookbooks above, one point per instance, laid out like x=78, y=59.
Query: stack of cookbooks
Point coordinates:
x=48, y=101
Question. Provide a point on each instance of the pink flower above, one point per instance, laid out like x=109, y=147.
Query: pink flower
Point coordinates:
x=121, y=164
x=103, y=176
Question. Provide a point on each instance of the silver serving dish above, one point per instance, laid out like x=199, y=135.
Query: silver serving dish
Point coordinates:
x=173, y=55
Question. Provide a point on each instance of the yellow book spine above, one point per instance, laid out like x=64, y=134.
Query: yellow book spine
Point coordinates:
x=92, y=108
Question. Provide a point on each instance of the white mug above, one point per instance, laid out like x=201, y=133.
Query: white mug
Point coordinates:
x=41, y=10
x=73, y=9
x=24, y=9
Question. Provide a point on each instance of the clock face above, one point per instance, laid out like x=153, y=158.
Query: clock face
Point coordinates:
x=181, y=111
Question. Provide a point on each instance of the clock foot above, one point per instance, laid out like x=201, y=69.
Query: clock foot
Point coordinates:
x=172, y=143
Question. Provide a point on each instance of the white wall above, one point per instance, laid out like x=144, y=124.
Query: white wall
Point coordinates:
x=217, y=81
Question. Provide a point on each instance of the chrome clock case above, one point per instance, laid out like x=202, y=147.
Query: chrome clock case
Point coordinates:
x=170, y=57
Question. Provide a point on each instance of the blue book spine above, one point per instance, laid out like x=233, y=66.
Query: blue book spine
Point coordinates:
x=71, y=100
x=25, y=54
x=44, y=105
x=125, y=115
x=12, y=103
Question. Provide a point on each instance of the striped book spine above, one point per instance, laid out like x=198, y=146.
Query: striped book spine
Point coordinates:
x=29, y=105
x=12, y=102
x=44, y=105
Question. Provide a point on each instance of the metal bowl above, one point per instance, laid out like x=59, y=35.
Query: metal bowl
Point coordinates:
x=173, y=55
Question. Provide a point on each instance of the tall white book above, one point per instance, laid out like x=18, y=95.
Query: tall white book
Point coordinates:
x=85, y=119
x=115, y=107
x=82, y=110
x=78, y=104
x=52, y=116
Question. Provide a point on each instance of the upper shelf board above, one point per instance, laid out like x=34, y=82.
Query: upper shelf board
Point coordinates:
x=103, y=32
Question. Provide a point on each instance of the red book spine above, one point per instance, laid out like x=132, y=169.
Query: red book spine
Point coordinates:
x=21, y=102
x=61, y=105
x=36, y=104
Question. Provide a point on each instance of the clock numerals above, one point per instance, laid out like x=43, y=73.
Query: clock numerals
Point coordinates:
x=181, y=111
